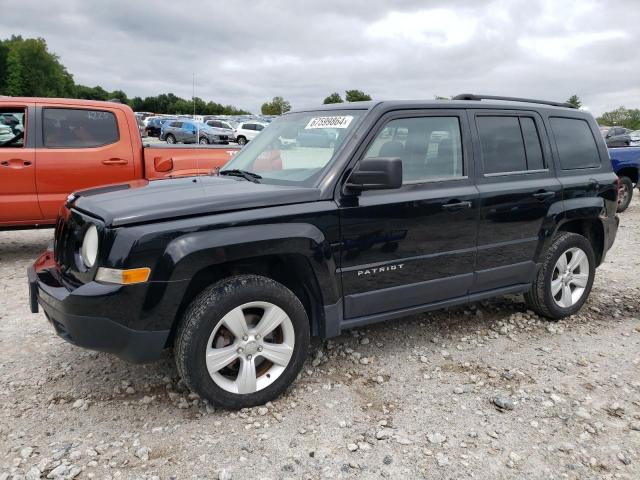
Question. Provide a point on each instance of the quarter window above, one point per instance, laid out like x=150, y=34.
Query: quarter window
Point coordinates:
x=576, y=145
x=429, y=147
x=78, y=128
x=509, y=144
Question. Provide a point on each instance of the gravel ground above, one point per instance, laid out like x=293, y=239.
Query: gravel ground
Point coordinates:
x=485, y=391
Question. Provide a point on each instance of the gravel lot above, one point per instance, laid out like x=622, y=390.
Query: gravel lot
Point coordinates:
x=414, y=398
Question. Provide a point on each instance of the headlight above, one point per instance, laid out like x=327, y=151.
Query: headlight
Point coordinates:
x=89, y=250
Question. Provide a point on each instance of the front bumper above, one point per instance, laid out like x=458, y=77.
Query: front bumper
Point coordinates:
x=72, y=313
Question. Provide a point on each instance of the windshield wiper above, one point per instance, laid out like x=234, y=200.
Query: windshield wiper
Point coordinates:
x=247, y=175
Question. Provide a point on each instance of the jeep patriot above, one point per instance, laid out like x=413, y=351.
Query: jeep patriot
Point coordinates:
x=333, y=218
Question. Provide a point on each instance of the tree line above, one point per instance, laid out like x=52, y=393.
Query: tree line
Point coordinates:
x=29, y=69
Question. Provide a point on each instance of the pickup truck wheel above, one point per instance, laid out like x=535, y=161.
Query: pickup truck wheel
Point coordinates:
x=242, y=341
x=171, y=139
x=625, y=194
x=241, y=140
x=565, y=278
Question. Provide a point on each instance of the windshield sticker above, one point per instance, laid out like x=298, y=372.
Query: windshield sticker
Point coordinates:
x=329, y=122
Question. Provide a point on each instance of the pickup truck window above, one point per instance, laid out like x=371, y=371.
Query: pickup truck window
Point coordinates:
x=576, y=145
x=12, y=129
x=429, y=147
x=296, y=147
x=78, y=128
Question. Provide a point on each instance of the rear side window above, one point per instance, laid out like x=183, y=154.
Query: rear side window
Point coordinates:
x=78, y=128
x=509, y=144
x=12, y=128
x=576, y=146
x=501, y=144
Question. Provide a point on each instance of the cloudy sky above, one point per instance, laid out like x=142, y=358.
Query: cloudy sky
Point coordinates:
x=244, y=53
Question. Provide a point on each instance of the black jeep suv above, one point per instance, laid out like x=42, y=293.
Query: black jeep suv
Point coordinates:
x=403, y=207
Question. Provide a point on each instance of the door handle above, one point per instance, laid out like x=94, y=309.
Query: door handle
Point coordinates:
x=543, y=194
x=115, y=161
x=15, y=163
x=454, y=205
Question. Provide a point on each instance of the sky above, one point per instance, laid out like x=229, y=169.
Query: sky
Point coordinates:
x=246, y=52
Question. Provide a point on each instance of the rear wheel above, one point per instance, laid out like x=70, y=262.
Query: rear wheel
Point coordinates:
x=171, y=139
x=204, y=141
x=625, y=193
x=565, y=278
x=242, y=341
x=242, y=140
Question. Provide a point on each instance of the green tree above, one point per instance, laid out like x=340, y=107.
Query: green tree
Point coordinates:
x=575, y=101
x=356, y=96
x=623, y=117
x=333, y=98
x=277, y=106
x=13, y=83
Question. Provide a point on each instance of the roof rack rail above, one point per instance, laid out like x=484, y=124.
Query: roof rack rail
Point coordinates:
x=471, y=96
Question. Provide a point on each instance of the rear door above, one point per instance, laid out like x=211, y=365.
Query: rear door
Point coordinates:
x=80, y=148
x=518, y=190
x=18, y=196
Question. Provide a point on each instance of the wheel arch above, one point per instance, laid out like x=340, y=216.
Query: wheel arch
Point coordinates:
x=629, y=172
x=296, y=255
x=590, y=228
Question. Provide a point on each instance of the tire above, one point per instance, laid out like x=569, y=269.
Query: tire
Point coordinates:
x=541, y=299
x=625, y=194
x=203, y=141
x=170, y=139
x=206, y=332
x=241, y=141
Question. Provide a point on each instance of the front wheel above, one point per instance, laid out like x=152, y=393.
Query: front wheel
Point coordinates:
x=204, y=141
x=565, y=278
x=625, y=193
x=242, y=341
x=242, y=140
x=171, y=139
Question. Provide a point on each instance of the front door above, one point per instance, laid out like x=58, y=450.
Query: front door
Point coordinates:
x=80, y=148
x=415, y=245
x=518, y=188
x=18, y=195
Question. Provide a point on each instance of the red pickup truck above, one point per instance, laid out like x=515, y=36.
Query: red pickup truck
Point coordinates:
x=52, y=147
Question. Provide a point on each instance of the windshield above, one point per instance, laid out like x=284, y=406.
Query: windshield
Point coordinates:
x=295, y=148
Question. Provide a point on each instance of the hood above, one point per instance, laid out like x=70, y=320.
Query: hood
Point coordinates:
x=145, y=201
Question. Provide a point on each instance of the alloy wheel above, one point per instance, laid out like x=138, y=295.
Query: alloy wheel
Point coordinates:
x=570, y=277
x=250, y=347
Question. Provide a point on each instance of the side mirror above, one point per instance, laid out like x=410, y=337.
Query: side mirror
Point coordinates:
x=377, y=173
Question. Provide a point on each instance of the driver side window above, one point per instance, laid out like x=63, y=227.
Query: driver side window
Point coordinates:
x=12, y=128
x=430, y=147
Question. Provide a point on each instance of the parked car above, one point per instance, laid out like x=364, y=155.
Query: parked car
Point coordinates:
x=616, y=136
x=223, y=125
x=247, y=131
x=626, y=164
x=77, y=144
x=236, y=272
x=193, y=132
x=154, y=127
x=635, y=138
x=143, y=130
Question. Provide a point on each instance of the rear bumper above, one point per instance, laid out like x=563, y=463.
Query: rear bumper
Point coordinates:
x=71, y=313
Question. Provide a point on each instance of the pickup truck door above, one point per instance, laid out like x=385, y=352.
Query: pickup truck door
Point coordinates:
x=81, y=147
x=18, y=197
x=415, y=245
